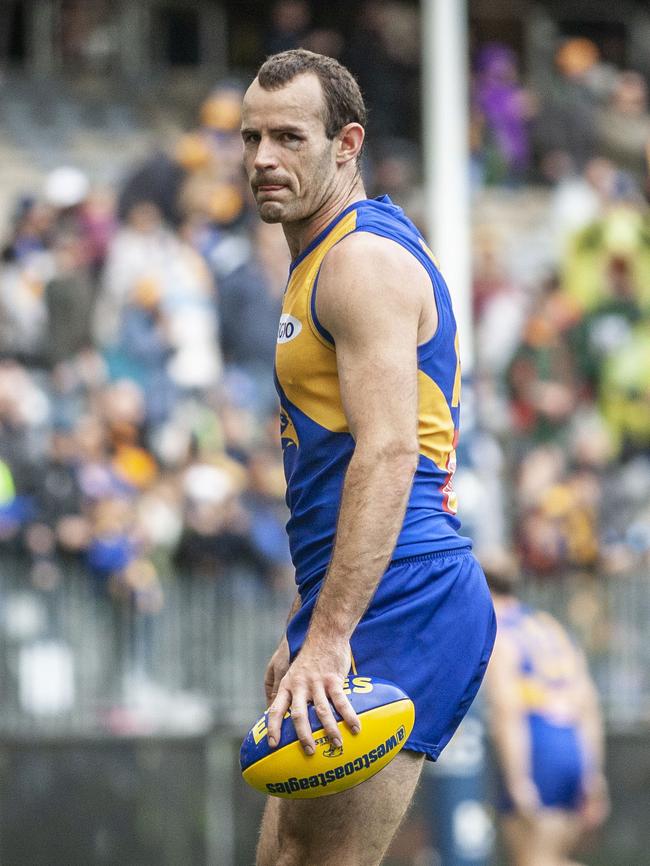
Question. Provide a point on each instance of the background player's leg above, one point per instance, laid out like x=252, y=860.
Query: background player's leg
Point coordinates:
x=352, y=828
x=560, y=831
x=545, y=840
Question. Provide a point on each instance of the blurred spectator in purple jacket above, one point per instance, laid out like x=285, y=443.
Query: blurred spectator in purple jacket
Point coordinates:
x=502, y=111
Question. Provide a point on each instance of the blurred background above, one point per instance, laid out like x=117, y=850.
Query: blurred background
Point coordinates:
x=145, y=575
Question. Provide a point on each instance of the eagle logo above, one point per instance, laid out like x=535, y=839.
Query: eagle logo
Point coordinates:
x=333, y=751
x=288, y=433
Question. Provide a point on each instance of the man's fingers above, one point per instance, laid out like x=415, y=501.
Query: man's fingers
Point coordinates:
x=271, y=691
x=326, y=716
x=300, y=719
x=272, y=682
x=276, y=713
x=269, y=683
x=344, y=708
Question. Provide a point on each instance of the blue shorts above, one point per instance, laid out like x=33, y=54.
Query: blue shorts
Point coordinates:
x=557, y=765
x=430, y=628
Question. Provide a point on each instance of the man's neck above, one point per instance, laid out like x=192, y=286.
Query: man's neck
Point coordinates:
x=300, y=234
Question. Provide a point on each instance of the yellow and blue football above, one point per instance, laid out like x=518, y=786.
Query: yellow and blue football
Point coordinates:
x=386, y=714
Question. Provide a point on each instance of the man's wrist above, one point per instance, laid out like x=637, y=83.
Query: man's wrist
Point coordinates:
x=325, y=628
x=323, y=640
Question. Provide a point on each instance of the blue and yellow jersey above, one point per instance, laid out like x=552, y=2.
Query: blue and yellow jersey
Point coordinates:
x=316, y=440
x=549, y=665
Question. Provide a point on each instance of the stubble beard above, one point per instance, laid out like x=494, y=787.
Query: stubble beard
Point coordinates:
x=270, y=212
x=299, y=209
x=283, y=212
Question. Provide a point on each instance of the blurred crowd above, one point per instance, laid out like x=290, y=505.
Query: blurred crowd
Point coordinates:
x=138, y=420
x=563, y=318
x=138, y=427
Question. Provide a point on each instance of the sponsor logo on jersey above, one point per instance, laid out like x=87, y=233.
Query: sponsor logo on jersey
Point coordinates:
x=289, y=328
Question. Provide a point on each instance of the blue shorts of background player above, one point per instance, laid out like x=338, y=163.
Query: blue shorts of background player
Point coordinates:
x=430, y=628
x=557, y=766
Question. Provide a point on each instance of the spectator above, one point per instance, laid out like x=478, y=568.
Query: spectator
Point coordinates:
x=385, y=36
x=290, y=25
x=27, y=266
x=69, y=300
x=625, y=392
x=502, y=110
x=542, y=377
x=567, y=121
x=250, y=299
x=614, y=247
x=146, y=253
x=624, y=127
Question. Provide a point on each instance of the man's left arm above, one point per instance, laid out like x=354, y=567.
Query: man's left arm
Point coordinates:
x=370, y=298
x=596, y=805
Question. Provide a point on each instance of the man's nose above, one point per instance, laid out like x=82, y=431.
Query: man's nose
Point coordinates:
x=266, y=155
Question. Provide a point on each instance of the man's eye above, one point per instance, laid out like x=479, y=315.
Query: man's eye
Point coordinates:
x=251, y=138
x=289, y=136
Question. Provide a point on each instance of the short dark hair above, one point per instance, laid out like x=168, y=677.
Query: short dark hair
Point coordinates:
x=341, y=94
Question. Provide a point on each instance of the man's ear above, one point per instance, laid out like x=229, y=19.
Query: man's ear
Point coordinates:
x=350, y=142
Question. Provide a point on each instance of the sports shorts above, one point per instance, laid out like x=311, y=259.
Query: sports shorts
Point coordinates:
x=557, y=765
x=429, y=628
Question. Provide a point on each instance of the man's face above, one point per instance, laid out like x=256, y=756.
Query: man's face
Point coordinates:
x=290, y=162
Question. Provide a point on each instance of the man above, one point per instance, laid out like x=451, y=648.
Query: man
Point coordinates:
x=369, y=382
x=546, y=728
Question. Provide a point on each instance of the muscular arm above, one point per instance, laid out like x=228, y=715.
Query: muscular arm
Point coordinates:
x=372, y=297
x=373, y=315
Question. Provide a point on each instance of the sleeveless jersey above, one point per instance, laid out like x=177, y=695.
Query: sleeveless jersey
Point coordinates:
x=548, y=664
x=316, y=440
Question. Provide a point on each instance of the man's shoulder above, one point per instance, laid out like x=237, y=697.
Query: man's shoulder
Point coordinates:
x=363, y=251
x=369, y=279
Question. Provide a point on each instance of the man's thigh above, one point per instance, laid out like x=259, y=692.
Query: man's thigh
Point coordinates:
x=353, y=828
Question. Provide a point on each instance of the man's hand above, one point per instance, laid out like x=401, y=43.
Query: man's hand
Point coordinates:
x=316, y=676
x=276, y=669
x=596, y=805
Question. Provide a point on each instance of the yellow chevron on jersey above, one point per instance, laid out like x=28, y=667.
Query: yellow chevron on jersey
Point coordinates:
x=306, y=365
x=455, y=396
x=435, y=424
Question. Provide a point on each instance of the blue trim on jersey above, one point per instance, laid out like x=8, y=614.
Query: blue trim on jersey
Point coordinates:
x=311, y=246
x=314, y=315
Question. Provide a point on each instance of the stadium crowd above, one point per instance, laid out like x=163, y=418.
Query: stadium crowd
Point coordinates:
x=138, y=423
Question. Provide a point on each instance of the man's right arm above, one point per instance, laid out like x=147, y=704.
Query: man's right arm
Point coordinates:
x=279, y=662
x=509, y=728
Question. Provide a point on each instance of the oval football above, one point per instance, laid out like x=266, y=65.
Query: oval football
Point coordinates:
x=386, y=714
